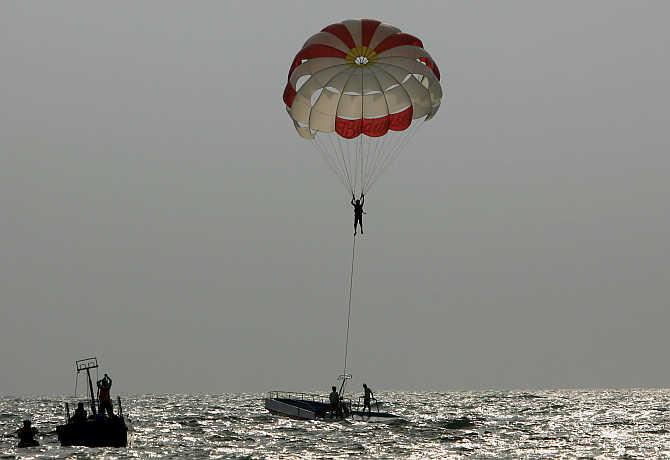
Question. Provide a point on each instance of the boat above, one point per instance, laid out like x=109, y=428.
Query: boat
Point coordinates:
x=312, y=406
x=98, y=429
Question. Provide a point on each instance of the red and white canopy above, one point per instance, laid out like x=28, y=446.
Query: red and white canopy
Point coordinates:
x=361, y=76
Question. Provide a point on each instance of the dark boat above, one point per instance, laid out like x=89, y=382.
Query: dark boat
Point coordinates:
x=96, y=430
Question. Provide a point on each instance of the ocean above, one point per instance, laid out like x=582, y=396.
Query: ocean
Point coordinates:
x=504, y=424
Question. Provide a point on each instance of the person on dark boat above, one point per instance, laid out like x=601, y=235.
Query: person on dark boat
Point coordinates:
x=104, y=387
x=335, y=406
x=27, y=435
x=79, y=414
x=366, y=398
x=358, y=211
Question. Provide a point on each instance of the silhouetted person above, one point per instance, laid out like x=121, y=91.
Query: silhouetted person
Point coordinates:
x=335, y=407
x=26, y=435
x=104, y=387
x=79, y=414
x=366, y=398
x=358, y=211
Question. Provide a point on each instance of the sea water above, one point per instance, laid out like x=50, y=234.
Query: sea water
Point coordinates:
x=504, y=424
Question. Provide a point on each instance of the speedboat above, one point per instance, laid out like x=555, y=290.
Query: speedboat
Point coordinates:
x=311, y=406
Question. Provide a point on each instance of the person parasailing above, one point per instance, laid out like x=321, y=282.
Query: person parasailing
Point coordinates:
x=358, y=211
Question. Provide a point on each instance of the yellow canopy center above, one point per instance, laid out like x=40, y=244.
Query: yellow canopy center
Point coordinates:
x=361, y=56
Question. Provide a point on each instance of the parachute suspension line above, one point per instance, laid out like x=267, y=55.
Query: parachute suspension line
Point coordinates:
x=352, y=146
x=361, y=158
x=379, y=149
x=351, y=156
x=366, y=165
x=351, y=284
x=401, y=146
x=393, y=146
x=388, y=147
x=333, y=166
x=341, y=154
x=395, y=151
x=346, y=161
x=334, y=159
x=343, y=166
x=356, y=157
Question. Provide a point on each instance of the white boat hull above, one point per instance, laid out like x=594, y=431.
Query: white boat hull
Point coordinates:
x=288, y=410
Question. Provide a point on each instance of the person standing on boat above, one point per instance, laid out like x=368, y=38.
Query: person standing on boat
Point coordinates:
x=335, y=407
x=104, y=397
x=358, y=211
x=366, y=398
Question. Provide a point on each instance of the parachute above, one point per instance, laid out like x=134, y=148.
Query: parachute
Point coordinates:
x=359, y=90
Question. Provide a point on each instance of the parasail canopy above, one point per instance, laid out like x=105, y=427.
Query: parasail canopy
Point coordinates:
x=359, y=89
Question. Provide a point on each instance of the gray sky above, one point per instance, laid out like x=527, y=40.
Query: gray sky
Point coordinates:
x=158, y=210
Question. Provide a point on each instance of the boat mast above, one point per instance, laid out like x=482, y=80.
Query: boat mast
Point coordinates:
x=86, y=365
x=344, y=378
x=90, y=387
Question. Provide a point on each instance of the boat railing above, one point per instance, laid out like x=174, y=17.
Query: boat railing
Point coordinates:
x=374, y=404
x=278, y=394
x=314, y=397
x=74, y=400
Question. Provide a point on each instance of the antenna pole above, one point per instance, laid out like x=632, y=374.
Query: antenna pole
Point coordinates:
x=86, y=365
x=90, y=387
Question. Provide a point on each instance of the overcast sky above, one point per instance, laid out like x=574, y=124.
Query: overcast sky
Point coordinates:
x=158, y=210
